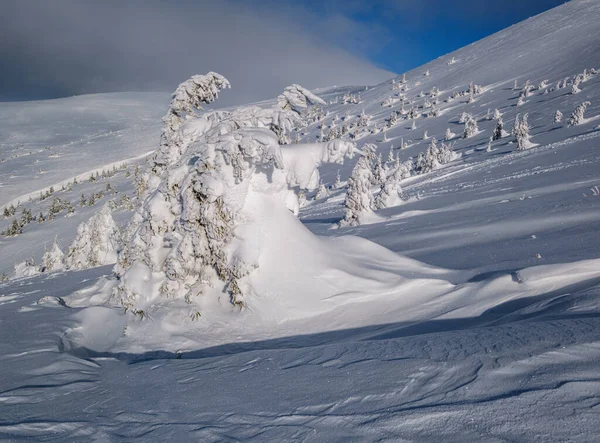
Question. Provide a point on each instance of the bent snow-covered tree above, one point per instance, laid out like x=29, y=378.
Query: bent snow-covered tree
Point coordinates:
x=186, y=100
x=196, y=237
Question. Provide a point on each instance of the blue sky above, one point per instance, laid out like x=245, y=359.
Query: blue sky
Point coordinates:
x=69, y=47
x=399, y=35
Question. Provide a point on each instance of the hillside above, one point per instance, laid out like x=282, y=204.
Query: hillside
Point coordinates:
x=466, y=310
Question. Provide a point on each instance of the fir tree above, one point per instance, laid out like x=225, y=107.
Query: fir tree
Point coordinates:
x=471, y=128
x=359, y=199
x=338, y=181
x=378, y=171
x=558, y=116
x=498, y=130
x=390, y=158
x=522, y=134
x=577, y=117
x=322, y=191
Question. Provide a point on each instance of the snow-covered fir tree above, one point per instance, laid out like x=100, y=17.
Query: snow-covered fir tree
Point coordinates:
x=577, y=117
x=391, y=157
x=322, y=191
x=558, y=116
x=186, y=100
x=471, y=128
x=499, y=131
x=53, y=259
x=521, y=133
x=186, y=234
x=359, y=199
x=497, y=114
x=575, y=86
x=378, y=171
x=431, y=161
x=449, y=135
x=337, y=184
x=390, y=191
x=445, y=153
x=96, y=242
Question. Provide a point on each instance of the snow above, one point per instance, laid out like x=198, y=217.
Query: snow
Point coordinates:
x=467, y=312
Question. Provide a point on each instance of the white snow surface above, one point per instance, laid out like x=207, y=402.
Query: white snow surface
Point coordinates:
x=469, y=312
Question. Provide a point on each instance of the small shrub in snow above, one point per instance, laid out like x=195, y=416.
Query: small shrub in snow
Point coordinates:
x=577, y=117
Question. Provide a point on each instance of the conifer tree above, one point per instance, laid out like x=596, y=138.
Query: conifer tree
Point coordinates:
x=359, y=199
x=577, y=117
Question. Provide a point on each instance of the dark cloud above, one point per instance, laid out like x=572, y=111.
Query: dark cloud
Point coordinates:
x=67, y=47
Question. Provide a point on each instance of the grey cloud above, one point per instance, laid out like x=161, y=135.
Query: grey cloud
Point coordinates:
x=67, y=47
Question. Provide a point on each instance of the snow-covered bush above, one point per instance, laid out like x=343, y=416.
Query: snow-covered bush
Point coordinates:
x=27, y=268
x=577, y=117
x=96, y=242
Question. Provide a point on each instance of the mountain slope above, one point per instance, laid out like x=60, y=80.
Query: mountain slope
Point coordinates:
x=504, y=346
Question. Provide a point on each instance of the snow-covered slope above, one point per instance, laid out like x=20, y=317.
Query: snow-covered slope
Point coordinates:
x=485, y=327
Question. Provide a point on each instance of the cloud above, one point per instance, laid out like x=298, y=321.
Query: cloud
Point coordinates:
x=68, y=47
